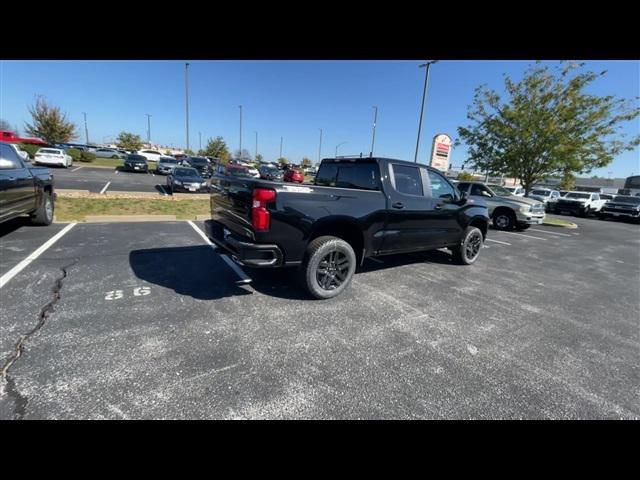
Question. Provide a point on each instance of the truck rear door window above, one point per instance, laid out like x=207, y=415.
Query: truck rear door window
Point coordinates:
x=407, y=179
x=359, y=175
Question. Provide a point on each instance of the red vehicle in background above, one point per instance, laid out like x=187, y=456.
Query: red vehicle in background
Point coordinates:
x=11, y=137
x=237, y=171
x=294, y=176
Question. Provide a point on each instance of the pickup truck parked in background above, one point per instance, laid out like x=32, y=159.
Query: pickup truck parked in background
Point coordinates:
x=508, y=211
x=580, y=203
x=356, y=208
x=24, y=189
x=11, y=137
x=622, y=206
x=547, y=196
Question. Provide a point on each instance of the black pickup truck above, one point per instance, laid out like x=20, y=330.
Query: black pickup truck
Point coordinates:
x=24, y=189
x=356, y=208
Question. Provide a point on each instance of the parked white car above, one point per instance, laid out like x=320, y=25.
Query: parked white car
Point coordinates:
x=150, y=155
x=252, y=171
x=547, y=196
x=53, y=156
x=517, y=190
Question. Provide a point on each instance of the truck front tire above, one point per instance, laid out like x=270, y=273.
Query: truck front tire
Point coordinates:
x=504, y=219
x=328, y=268
x=44, y=213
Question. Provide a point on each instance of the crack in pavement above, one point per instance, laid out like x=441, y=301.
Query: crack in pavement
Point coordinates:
x=20, y=401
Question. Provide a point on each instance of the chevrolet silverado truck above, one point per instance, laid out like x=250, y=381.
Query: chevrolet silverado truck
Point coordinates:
x=508, y=211
x=621, y=206
x=356, y=208
x=24, y=189
x=580, y=203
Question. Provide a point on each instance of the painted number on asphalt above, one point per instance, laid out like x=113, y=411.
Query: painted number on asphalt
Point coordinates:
x=137, y=292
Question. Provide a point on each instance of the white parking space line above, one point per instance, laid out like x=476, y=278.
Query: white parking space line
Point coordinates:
x=619, y=261
x=104, y=189
x=24, y=263
x=523, y=235
x=550, y=233
x=243, y=276
x=117, y=172
x=497, y=241
x=75, y=169
x=163, y=190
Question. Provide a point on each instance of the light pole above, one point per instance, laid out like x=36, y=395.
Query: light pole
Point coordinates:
x=375, y=118
x=320, y=147
x=424, y=95
x=199, y=141
x=338, y=146
x=148, y=129
x=186, y=85
x=280, y=148
x=86, y=131
x=240, y=154
x=256, y=155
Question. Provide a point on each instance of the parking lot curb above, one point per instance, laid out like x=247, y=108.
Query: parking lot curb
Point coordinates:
x=571, y=225
x=128, y=218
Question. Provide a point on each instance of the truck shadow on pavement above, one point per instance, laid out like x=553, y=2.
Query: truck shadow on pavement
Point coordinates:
x=195, y=271
x=200, y=272
x=12, y=225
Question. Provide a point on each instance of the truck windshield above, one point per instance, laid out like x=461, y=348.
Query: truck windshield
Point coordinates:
x=542, y=193
x=629, y=200
x=578, y=195
x=500, y=191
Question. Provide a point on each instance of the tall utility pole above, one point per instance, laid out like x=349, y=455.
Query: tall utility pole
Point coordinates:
x=375, y=118
x=424, y=95
x=240, y=154
x=280, y=148
x=200, y=141
x=256, y=155
x=186, y=85
x=148, y=129
x=320, y=147
x=338, y=146
x=86, y=130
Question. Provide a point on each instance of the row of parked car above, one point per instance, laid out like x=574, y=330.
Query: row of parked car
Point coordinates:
x=577, y=203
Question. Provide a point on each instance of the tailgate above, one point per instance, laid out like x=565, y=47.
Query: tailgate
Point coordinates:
x=231, y=201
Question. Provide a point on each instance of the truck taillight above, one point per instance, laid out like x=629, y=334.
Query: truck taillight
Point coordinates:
x=260, y=216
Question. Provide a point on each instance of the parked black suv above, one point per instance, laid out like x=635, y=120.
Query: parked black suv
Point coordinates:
x=356, y=208
x=201, y=164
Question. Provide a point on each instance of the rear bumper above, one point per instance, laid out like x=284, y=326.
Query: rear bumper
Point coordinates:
x=245, y=252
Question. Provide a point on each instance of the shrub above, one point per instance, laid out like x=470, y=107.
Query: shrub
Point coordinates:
x=30, y=149
x=87, y=156
x=74, y=153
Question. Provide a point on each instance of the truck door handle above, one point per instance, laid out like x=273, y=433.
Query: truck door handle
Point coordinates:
x=398, y=205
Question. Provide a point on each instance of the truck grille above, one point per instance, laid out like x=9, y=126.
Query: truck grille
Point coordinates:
x=537, y=208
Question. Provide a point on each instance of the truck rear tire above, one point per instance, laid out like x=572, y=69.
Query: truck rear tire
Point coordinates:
x=328, y=267
x=469, y=249
x=44, y=213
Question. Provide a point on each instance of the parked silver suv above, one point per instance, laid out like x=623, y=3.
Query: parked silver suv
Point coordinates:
x=508, y=211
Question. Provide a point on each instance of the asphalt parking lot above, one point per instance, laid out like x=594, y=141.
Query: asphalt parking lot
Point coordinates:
x=104, y=180
x=151, y=322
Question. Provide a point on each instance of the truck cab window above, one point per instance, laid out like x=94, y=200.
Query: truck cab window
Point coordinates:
x=9, y=159
x=439, y=186
x=407, y=180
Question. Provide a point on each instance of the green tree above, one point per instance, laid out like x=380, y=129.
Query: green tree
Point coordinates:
x=306, y=162
x=259, y=158
x=283, y=161
x=568, y=181
x=188, y=151
x=49, y=123
x=465, y=177
x=217, y=148
x=4, y=125
x=548, y=124
x=129, y=141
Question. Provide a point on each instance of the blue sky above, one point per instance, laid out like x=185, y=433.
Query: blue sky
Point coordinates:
x=292, y=99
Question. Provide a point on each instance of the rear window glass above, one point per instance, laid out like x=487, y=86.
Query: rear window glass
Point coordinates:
x=48, y=150
x=361, y=175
